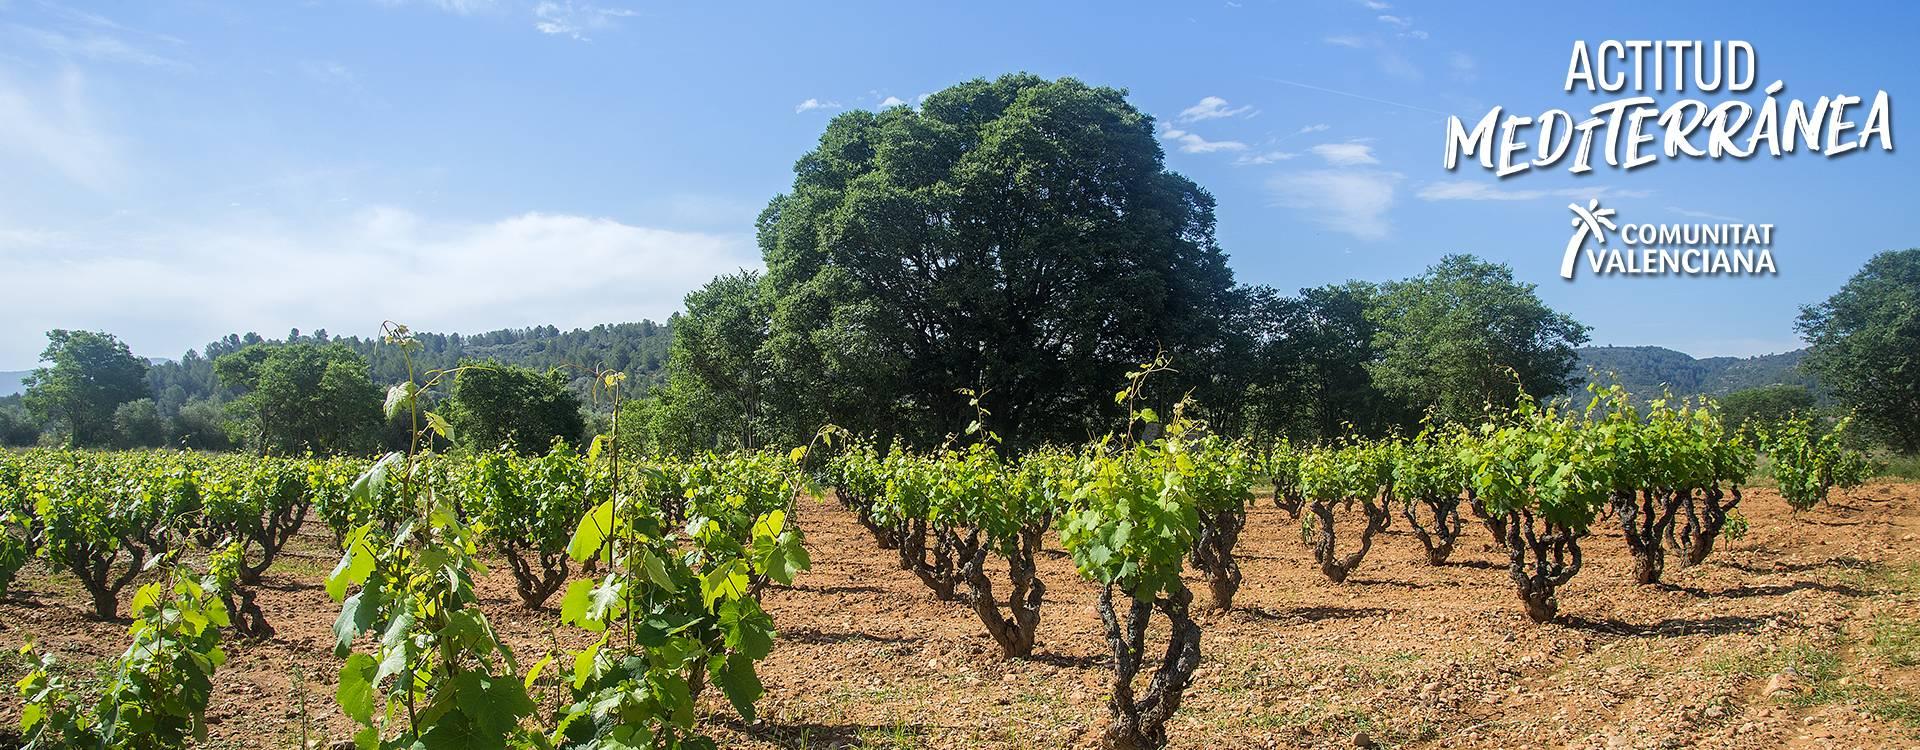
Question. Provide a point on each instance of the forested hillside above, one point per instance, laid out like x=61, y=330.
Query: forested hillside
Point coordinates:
x=1645, y=369
x=639, y=349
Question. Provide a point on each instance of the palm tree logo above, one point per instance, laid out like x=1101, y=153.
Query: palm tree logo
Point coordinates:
x=1586, y=221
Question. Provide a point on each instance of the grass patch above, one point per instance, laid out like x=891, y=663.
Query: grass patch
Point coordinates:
x=1895, y=640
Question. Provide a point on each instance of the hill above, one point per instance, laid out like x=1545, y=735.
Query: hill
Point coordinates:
x=10, y=382
x=1645, y=369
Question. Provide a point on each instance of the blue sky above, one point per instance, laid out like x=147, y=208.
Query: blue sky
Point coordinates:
x=175, y=170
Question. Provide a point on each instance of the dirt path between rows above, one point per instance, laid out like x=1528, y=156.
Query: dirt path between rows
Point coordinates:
x=1406, y=654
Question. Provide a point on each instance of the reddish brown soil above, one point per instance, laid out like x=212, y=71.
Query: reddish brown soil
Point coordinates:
x=1409, y=655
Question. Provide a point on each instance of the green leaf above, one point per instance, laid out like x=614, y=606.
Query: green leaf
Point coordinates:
x=728, y=580
x=355, y=693
x=439, y=424
x=573, y=606
x=591, y=534
x=735, y=678
x=399, y=397
x=356, y=617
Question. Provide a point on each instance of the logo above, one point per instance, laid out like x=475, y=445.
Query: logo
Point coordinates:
x=1725, y=249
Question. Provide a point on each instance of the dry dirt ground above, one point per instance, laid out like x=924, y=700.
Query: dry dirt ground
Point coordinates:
x=1407, y=654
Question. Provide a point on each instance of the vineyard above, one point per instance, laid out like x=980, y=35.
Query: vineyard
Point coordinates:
x=1161, y=586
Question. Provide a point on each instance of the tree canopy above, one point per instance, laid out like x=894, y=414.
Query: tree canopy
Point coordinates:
x=303, y=397
x=1019, y=237
x=1866, y=346
x=88, y=376
x=521, y=409
x=1464, y=334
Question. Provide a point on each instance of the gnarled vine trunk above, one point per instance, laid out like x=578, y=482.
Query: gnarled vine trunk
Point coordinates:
x=1014, y=632
x=271, y=536
x=1213, y=553
x=1646, y=520
x=1496, y=524
x=1540, y=561
x=1705, y=519
x=935, y=564
x=536, y=573
x=1335, y=567
x=884, y=533
x=1438, y=540
x=1141, y=723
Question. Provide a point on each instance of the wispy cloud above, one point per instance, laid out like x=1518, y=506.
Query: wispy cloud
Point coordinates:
x=54, y=127
x=1349, y=41
x=1463, y=190
x=88, y=45
x=1192, y=143
x=1212, y=108
x=1314, y=128
x=1264, y=157
x=1345, y=154
x=173, y=286
x=1397, y=21
x=326, y=71
x=1375, y=4
x=461, y=7
x=812, y=104
x=1349, y=201
x=892, y=101
x=567, y=19
x=1692, y=214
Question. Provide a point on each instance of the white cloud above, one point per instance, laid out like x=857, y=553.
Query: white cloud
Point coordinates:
x=1353, y=42
x=1345, y=154
x=1353, y=202
x=1211, y=108
x=89, y=45
x=461, y=7
x=326, y=72
x=167, y=288
x=1375, y=4
x=812, y=104
x=1692, y=214
x=1314, y=128
x=54, y=127
x=1463, y=190
x=1266, y=157
x=564, y=18
x=1416, y=34
x=1192, y=143
x=1395, y=21
x=892, y=101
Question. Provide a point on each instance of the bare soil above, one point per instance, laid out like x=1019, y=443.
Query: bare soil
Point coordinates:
x=1406, y=654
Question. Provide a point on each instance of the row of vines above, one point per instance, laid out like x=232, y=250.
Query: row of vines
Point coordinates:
x=678, y=554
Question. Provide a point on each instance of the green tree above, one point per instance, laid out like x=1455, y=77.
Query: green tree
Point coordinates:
x=494, y=406
x=17, y=428
x=1314, y=358
x=1750, y=409
x=138, y=424
x=1020, y=237
x=303, y=397
x=88, y=375
x=201, y=425
x=1455, y=339
x=1866, y=346
x=716, y=377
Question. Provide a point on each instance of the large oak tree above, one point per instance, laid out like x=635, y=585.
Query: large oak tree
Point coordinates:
x=1020, y=236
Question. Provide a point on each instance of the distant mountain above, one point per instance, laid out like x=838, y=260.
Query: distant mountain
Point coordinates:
x=10, y=382
x=1644, y=370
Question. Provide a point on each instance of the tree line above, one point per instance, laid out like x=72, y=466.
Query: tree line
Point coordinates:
x=1019, y=239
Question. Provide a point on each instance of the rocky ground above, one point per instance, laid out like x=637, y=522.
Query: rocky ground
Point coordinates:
x=1806, y=634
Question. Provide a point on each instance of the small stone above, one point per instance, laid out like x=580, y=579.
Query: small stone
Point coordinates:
x=1715, y=711
x=1362, y=740
x=1783, y=682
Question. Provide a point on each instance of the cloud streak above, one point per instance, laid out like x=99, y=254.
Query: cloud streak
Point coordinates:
x=1354, y=202
x=170, y=288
